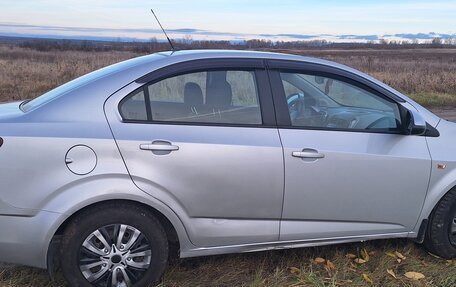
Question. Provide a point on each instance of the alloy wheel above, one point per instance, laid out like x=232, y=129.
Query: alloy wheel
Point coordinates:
x=116, y=255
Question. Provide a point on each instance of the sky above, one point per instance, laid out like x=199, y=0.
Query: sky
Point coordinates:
x=226, y=19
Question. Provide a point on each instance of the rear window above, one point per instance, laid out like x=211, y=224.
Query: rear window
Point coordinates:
x=82, y=81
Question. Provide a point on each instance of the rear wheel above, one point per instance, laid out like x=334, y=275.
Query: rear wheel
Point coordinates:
x=114, y=245
x=441, y=234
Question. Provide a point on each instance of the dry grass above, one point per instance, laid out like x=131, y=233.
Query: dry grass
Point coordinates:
x=27, y=73
x=429, y=76
x=287, y=268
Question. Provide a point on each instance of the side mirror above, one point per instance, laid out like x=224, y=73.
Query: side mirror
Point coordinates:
x=415, y=123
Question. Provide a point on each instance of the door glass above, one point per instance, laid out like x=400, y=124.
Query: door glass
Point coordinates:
x=225, y=97
x=324, y=102
x=134, y=107
x=242, y=84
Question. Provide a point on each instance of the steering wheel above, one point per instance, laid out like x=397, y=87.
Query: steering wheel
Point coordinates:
x=378, y=121
x=295, y=104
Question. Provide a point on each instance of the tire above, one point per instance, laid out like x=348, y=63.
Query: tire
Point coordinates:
x=440, y=237
x=137, y=259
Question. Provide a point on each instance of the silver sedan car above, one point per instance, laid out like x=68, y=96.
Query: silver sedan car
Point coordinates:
x=217, y=152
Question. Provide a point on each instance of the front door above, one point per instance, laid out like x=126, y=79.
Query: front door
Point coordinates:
x=349, y=171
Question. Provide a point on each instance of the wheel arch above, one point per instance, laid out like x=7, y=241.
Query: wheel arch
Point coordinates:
x=434, y=197
x=171, y=232
x=175, y=233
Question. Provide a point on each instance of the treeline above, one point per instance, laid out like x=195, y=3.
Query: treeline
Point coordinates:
x=323, y=44
x=154, y=45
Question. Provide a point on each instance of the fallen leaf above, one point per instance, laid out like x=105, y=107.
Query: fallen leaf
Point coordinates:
x=390, y=254
x=399, y=255
x=351, y=256
x=319, y=260
x=330, y=265
x=391, y=272
x=372, y=253
x=360, y=261
x=295, y=270
x=367, y=278
x=364, y=255
x=399, y=260
x=414, y=275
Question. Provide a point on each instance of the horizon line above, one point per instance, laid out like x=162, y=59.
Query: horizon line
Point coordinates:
x=10, y=29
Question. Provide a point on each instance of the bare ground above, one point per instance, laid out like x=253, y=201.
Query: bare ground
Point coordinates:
x=448, y=113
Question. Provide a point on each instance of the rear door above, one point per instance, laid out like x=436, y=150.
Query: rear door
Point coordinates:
x=349, y=169
x=201, y=137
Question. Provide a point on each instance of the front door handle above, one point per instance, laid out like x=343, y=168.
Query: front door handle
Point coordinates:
x=308, y=154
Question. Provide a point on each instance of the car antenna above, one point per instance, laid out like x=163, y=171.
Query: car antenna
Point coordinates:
x=169, y=41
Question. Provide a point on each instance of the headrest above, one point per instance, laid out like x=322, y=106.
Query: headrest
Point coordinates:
x=219, y=94
x=193, y=96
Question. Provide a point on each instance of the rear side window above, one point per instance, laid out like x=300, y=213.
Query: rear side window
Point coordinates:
x=219, y=97
x=134, y=108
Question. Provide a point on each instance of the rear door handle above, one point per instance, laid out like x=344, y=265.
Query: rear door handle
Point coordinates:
x=161, y=146
x=308, y=153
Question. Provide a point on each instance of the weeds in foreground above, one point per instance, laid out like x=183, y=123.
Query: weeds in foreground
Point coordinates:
x=383, y=263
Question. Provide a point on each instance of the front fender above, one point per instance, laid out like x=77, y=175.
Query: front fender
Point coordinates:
x=443, y=172
x=436, y=193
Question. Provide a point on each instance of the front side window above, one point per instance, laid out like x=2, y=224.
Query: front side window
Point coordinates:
x=329, y=103
x=222, y=97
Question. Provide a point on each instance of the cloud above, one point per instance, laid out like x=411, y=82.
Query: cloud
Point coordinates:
x=134, y=34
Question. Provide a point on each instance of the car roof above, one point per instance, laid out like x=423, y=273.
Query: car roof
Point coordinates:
x=198, y=54
x=188, y=55
x=166, y=58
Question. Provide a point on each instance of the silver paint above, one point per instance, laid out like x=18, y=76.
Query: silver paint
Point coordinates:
x=223, y=188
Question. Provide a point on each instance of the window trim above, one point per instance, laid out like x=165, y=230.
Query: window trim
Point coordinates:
x=195, y=66
x=305, y=68
x=129, y=96
x=262, y=85
x=283, y=115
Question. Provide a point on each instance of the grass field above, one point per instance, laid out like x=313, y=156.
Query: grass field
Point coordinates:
x=427, y=75
x=297, y=267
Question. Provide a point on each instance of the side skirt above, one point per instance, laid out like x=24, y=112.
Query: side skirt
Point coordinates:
x=277, y=245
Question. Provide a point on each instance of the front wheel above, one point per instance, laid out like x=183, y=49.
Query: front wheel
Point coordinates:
x=441, y=234
x=114, y=245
